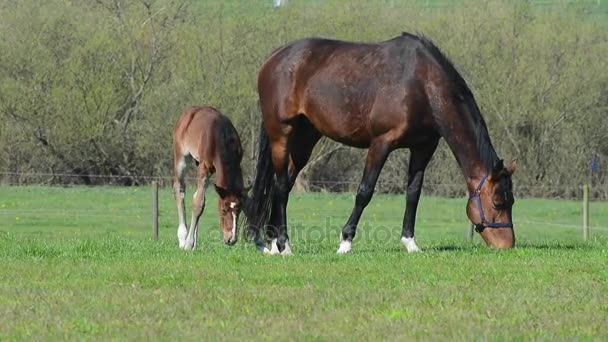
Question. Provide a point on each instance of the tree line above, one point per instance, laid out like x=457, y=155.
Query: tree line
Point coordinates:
x=94, y=87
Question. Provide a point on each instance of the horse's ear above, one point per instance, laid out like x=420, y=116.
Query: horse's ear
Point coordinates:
x=512, y=166
x=221, y=191
x=498, y=169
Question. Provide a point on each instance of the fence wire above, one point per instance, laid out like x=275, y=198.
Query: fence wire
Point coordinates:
x=139, y=213
x=33, y=178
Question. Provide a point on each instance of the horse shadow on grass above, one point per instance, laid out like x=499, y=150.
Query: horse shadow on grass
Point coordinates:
x=558, y=245
x=473, y=247
x=303, y=248
x=522, y=246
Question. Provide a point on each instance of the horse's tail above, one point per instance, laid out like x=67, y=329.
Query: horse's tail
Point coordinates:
x=259, y=204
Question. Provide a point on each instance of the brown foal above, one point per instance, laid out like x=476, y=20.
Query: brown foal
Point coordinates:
x=206, y=136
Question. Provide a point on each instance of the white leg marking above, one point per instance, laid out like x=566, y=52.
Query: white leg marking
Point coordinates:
x=182, y=233
x=182, y=230
x=274, y=249
x=410, y=244
x=345, y=247
x=191, y=239
x=287, y=250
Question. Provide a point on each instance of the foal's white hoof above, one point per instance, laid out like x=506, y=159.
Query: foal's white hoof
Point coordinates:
x=345, y=247
x=189, y=245
x=410, y=244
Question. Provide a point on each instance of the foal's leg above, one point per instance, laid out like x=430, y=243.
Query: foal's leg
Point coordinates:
x=198, y=205
x=179, y=187
x=419, y=159
x=376, y=157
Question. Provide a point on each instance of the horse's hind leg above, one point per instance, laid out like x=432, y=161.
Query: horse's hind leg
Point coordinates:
x=301, y=143
x=179, y=186
x=376, y=157
x=198, y=205
x=419, y=160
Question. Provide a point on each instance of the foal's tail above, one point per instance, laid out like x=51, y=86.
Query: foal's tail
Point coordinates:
x=259, y=205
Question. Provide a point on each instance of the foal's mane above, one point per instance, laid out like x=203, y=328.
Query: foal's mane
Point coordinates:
x=462, y=91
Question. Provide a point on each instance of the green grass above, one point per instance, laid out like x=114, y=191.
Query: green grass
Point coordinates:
x=78, y=263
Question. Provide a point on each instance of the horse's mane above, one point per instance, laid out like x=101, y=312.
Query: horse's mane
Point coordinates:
x=487, y=153
x=231, y=155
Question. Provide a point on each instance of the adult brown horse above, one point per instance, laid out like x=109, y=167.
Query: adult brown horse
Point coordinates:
x=208, y=137
x=399, y=93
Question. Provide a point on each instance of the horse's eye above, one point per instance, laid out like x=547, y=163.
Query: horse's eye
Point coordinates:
x=499, y=202
x=499, y=205
x=502, y=203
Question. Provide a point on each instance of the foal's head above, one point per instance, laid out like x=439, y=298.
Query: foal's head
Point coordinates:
x=229, y=207
x=489, y=207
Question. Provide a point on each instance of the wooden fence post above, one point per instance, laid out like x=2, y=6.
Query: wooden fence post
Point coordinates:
x=154, y=210
x=586, y=212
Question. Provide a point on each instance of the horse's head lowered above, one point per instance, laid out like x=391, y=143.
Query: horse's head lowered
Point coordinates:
x=490, y=205
x=229, y=207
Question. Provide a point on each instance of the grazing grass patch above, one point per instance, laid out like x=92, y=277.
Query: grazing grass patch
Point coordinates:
x=78, y=263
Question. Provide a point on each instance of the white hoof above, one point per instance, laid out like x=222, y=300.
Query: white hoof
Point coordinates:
x=287, y=250
x=189, y=245
x=274, y=249
x=410, y=244
x=345, y=247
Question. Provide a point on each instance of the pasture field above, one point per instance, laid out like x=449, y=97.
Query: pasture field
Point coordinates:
x=78, y=263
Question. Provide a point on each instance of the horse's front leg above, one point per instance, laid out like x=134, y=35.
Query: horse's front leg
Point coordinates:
x=419, y=159
x=198, y=206
x=376, y=157
x=179, y=187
